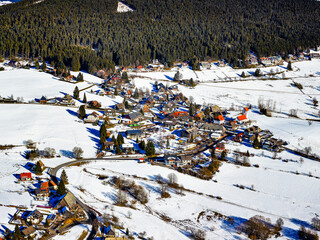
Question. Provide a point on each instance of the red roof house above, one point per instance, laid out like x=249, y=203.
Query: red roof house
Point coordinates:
x=242, y=118
x=25, y=176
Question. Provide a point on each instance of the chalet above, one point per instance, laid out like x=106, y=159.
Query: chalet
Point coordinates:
x=232, y=125
x=168, y=107
x=188, y=133
x=69, y=78
x=25, y=176
x=251, y=130
x=265, y=61
x=120, y=107
x=219, y=119
x=108, y=232
x=31, y=145
x=92, y=118
x=127, y=146
x=41, y=165
x=178, y=114
x=42, y=193
x=274, y=145
x=220, y=147
x=43, y=100
x=211, y=127
x=108, y=146
x=94, y=104
x=34, y=217
x=66, y=100
x=242, y=119
x=169, y=123
x=29, y=231
x=171, y=160
x=238, y=137
x=255, y=136
x=44, y=185
x=186, y=160
x=13, y=63
x=111, y=112
x=68, y=200
x=135, y=117
x=133, y=134
x=215, y=109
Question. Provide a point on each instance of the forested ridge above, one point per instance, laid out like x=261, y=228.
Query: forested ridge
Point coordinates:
x=92, y=32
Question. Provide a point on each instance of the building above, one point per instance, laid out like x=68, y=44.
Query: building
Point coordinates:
x=242, y=119
x=42, y=194
x=25, y=176
x=34, y=217
x=43, y=100
x=29, y=231
x=133, y=134
x=219, y=119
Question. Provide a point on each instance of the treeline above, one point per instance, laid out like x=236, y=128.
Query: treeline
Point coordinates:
x=170, y=30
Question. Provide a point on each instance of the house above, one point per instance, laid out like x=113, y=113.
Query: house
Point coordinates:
x=108, y=231
x=251, y=130
x=111, y=112
x=188, y=133
x=25, y=176
x=51, y=218
x=34, y=217
x=219, y=119
x=220, y=147
x=238, y=137
x=254, y=136
x=94, y=104
x=42, y=193
x=120, y=107
x=178, y=114
x=29, y=231
x=92, y=118
x=127, y=146
x=44, y=185
x=41, y=166
x=213, y=128
x=171, y=159
x=43, y=100
x=68, y=200
x=133, y=134
x=108, y=146
x=232, y=125
x=135, y=117
x=186, y=160
x=242, y=119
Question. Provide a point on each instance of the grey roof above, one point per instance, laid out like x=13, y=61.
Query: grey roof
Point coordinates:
x=134, y=132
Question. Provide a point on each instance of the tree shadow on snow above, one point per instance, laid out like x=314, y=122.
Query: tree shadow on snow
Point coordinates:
x=73, y=113
x=66, y=153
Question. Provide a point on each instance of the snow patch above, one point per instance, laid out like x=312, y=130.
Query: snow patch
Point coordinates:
x=123, y=8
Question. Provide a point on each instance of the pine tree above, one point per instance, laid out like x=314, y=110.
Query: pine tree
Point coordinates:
x=257, y=73
x=80, y=77
x=136, y=93
x=64, y=177
x=243, y=74
x=44, y=66
x=289, y=67
x=150, y=150
x=75, y=64
x=37, y=65
x=113, y=139
x=103, y=133
x=82, y=112
x=223, y=155
x=116, y=92
x=61, y=188
x=76, y=93
x=117, y=149
x=256, y=143
x=17, y=233
x=38, y=169
x=142, y=145
x=84, y=98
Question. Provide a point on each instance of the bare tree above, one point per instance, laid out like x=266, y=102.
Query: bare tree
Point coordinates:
x=307, y=150
x=49, y=152
x=315, y=102
x=173, y=179
x=77, y=152
x=191, y=99
x=121, y=198
x=293, y=113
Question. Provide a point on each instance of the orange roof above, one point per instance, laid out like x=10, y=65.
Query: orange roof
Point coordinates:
x=245, y=108
x=176, y=114
x=220, y=118
x=242, y=117
x=52, y=183
x=44, y=184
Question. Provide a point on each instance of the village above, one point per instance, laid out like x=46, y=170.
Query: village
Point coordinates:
x=161, y=127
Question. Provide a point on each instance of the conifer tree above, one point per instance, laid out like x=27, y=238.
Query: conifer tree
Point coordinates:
x=76, y=93
x=61, y=188
x=64, y=177
x=38, y=169
x=17, y=233
x=116, y=92
x=82, y=112
x=44, y=66
x=103, y=133
x=37, y=65
x=84, y=98
x=289, y=67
